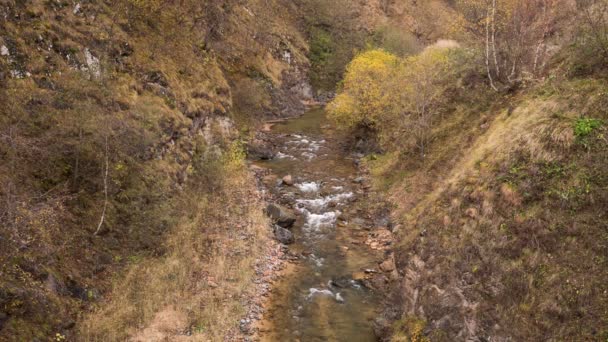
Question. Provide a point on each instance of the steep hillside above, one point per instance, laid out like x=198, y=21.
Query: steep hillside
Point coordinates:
x=120, y=131
x=500, y=203
x=497, y=178
x=128, y=211
x=506, y=238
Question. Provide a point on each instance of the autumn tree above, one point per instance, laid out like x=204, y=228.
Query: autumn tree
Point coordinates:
x=514, y=35
x=417, y=94
x=397, y=99
x=595, y=23
x=364, y=97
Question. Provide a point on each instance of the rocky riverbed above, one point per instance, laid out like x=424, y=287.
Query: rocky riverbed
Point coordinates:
x=325, y=278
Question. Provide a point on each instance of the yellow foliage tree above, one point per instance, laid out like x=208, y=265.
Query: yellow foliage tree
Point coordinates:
x=416, y=94
x=397, y=98
x=364, y=97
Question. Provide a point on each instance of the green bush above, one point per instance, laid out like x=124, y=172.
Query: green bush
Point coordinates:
x=584, y=126
x=320, y=47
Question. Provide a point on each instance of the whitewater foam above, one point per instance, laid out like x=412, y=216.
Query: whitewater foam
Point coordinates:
x=282, y=155
x=320, y=203
x=308, y=155
x=317, y=221
x=313, y=291
x=308, y=187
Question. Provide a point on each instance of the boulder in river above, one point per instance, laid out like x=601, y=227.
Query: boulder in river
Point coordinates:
x=283, y=235
x=259, y=150
x=281, y=215
x=340, y=282
x=288, y=180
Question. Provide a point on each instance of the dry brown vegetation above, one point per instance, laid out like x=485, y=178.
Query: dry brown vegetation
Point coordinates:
x=115, y=124
x=200, y=283
x=126, y=211
x=502, y=226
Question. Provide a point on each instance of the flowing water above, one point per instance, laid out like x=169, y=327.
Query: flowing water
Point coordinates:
x=322, y=298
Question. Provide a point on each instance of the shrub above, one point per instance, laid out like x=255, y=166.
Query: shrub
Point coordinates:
x=410, y=329
x=584, y=126
x=395, y=40
x=363, y=98
x=397, y=98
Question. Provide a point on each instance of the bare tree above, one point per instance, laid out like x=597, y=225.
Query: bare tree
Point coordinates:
x=491, y=18
x=595, y=16
x=515, y=34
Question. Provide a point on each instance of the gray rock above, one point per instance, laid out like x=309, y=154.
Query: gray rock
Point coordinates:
x=288, y=197
x=283, y=235
x=281, y=215
x=259, y=150
x=92, y=62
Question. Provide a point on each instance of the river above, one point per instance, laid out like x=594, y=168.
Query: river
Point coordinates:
x=323, y=296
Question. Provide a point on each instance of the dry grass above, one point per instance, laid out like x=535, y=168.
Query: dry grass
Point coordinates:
x=531, y=126
x=163, y=78
x=198, y=285
x=509, y=226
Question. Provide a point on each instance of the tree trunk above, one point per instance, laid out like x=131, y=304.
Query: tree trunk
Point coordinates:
x=77, y=161
x=105, y=189
x=494, y=39
x=488, y=50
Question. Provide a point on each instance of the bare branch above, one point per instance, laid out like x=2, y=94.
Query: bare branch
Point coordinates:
x=494, y=38
x=488, y=51
x=105, y=188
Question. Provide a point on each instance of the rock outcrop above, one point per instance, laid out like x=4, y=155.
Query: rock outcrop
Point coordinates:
x=281, y=215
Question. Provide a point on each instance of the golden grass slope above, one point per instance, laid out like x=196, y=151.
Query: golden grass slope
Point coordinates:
x=506, y=237
x=196, y=291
